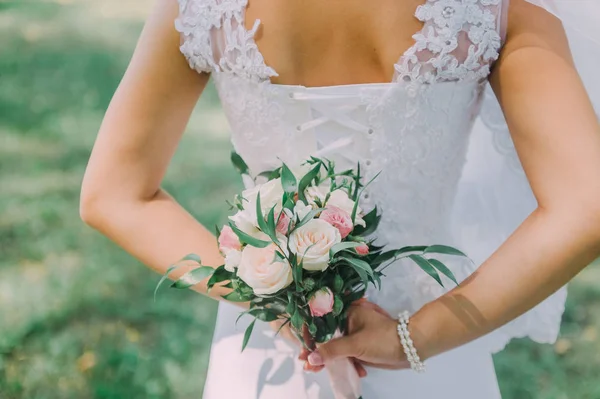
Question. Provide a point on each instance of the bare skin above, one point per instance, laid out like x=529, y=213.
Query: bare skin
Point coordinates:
x=557, y=139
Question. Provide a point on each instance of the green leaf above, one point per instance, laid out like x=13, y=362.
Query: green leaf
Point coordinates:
x=291, y=306
x=309, y=284
x=355, y=208
x=426, y=267
x=388, y=255
x=297, y=274
x=272, y=225
x=193, y=277
x=312, y=329
x=262, y=224
x=288, y=180
x=248, y=239
x=193, y=257
x=239, y=164
x=262, y=314
x=219, y=275
x=247, y=334
x=297, y=321
x=306, y=180
x=342, y=246
x=271, y=174
x=358, y=263
x=164, y=277
x=443, y=269
x=235, y=296
x=217, y=231
x=338, y=305
x=338, y=283
x=372, y=220
x=309, y=216
x=443, y=249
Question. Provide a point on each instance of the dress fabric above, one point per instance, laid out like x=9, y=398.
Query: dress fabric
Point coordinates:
x=449, y=175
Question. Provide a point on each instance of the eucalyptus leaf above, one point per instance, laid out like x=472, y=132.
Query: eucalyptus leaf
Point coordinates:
x=247, y=334
x=239, y=163
x=248, y=239
x=288, y=180
x=426, y=267
x=443, y=269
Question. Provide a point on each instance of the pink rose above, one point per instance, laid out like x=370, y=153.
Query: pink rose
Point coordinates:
x=338, y=218
x=228, y=240
x=321, y=303
x=362, y=249
x=283, y=223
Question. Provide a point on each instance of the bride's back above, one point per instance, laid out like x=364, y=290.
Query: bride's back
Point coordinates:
x=321, y=43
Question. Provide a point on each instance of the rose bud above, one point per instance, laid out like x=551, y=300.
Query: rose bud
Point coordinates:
x=362, y=249
x=321, y=303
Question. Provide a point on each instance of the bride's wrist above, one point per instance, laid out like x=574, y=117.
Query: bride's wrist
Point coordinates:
x=424, y=332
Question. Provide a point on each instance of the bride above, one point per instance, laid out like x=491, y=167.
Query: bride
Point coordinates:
x=472, y=110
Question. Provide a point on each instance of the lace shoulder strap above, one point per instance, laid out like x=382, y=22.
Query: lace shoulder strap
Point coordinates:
x=214, y=39
x=460, y=40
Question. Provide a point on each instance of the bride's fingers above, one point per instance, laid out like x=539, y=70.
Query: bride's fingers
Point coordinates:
x=362, y=372
x=371, y=305
x=310, y=367
x=304, y=354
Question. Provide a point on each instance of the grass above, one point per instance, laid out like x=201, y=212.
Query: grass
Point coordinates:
x=77, y=318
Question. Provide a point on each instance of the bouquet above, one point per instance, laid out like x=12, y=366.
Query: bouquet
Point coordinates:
x=299, y=249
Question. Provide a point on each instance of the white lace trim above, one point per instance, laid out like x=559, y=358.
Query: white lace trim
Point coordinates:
x=214, y=38
x=459, y=41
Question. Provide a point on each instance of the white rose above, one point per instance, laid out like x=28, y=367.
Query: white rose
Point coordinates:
x=302, y=210
x=312, y=243
x=314, y=193
x=271, y=194
x=232, y=260
x=262, y=272
x=340, y=199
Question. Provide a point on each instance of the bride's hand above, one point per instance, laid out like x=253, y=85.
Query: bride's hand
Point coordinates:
x=287, y=333
x=372, y=339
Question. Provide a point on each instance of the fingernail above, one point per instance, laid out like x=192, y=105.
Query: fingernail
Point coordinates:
x=315, y=359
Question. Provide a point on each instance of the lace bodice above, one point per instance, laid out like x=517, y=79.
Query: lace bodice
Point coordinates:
x=415, y=130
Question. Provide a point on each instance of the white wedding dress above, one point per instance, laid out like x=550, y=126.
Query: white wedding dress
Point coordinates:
x=450, y=175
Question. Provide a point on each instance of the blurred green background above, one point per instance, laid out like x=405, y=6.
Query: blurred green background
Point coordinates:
x=77, y=318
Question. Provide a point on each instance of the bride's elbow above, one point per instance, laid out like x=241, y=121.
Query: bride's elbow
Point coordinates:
x=96, y=205
x=91, y=207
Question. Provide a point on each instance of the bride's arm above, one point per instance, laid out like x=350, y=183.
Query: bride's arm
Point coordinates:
x=121, y=194
x=557, y=137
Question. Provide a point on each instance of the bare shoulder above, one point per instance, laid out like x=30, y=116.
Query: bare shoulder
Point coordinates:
x=530, y=26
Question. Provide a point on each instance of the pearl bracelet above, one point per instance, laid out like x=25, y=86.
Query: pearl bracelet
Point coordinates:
x=407, y=343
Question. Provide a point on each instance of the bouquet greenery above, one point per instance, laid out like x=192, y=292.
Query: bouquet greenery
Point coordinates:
x=300, y=248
